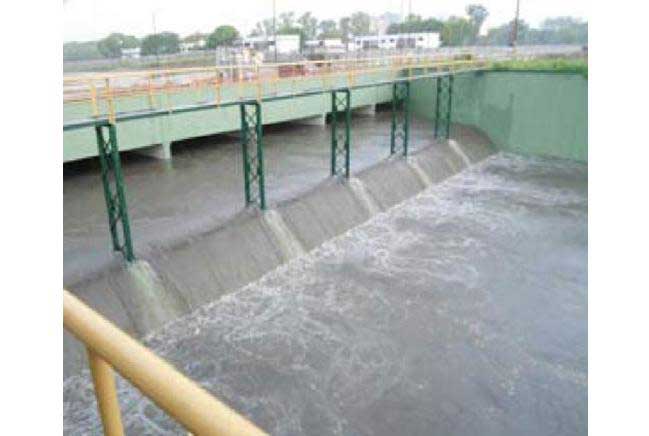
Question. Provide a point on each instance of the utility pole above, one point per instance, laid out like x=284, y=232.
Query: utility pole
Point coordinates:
x=157, y=58
x=275, y=29
x=514, y=36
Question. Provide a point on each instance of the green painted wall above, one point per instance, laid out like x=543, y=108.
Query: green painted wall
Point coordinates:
x=78, y=144
x=541, y=113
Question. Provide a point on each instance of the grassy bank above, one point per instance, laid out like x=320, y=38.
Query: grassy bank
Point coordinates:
x=577, y=66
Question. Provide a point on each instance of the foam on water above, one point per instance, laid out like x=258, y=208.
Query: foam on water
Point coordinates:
x=402, y=324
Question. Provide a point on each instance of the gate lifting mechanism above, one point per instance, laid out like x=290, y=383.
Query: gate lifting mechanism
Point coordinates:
x=340, y=135
x=113, y=181
x=400, y=132
x=253, y=154
x=443, y=107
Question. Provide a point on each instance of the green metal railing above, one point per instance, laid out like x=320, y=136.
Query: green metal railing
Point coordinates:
x=340, y=135
x=114, y=187
x=400, y=131
x=252, y=143
x=443, y=106
x=253, y=154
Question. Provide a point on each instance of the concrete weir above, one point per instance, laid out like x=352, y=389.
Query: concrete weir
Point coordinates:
x=173, y=279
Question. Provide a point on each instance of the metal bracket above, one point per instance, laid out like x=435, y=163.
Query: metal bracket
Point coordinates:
x=400, y=132
x=443, y=107
x=253, y=154
x=340, y=135
x=114, y=190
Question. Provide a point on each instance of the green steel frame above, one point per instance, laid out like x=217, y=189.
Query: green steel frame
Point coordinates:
x=251, y=141
x=114, y=190
x=443, y=106
x=400, y=132
x=340, y=135
x=253, y=154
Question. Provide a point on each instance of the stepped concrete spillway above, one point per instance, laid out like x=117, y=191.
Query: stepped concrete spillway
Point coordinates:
x=459, y=311
x=442, y=293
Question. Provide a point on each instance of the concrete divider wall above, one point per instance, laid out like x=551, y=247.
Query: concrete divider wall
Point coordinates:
x=541, y=113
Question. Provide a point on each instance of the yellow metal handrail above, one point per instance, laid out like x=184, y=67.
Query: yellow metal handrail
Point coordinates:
x=92, y=87
x=109, y=347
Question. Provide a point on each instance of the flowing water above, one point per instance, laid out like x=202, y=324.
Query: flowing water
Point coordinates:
x=461, y=311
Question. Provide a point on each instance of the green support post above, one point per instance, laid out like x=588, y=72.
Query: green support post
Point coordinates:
x=253, y=154
x=340, y=140
x=443, y=106
x=114, y=190
x=400, y=132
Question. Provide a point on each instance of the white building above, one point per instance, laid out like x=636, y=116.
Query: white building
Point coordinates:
x=327, y=45
x=285, y=43
x=131, y=53
x=398, y=40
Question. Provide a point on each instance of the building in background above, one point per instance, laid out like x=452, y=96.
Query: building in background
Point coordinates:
x=131, y=53
x=396, y=41
x=285, y=43
x=325, y=47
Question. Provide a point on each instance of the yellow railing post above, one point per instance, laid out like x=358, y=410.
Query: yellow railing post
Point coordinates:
x=106, y=394
x=192, y=406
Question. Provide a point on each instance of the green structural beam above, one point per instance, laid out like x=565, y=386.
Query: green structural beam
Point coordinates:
x=114, y=190
x=340, y=135
x=253, y=154
x=443, y=107
x=400, y=132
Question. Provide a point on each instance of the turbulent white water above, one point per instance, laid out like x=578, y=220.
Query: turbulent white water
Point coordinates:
x=290, y=246
x=403, y=324
x=360, y=191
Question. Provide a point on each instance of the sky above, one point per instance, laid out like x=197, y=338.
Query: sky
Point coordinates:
x=85, y=20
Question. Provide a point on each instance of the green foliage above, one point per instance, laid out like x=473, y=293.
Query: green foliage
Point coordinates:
x=345, y=28
x=415, y=23
x=577, y=66
x=478, y=14
x=458, y=31
x=359, y=23
x=222, y=35
x=309, y=25
x=160, y=43
x=560, y=30
x=112, y=45
x=329, y=29
x=81, y=51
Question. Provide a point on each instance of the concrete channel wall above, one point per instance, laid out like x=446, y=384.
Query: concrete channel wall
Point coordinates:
x=145, y=133
x=539, y=113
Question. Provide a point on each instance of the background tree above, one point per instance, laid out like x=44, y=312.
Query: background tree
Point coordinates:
x=309, y=25
x=286, y=20
x=564, y=30
x=457, y=31
x=112, y=45
x=222, y=35
x=345, y=27
x=415, y=23
x=81, y=51
x=160, y=43
x=359, y=23
x=329, y=29
x=477, y=14
x=263, y=28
